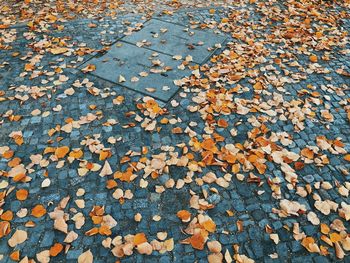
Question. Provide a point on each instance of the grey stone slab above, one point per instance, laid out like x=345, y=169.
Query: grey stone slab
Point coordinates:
x=129, y=61
x=174, y=39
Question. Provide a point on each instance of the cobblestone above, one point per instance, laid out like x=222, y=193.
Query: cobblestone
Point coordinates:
x=254, y=210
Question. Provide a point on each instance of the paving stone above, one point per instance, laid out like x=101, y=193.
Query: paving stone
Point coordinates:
x=177, y=40
x=129, y=61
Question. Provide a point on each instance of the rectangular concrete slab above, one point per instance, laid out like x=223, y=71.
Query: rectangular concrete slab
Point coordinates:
x=174, y=39
x=132, y=63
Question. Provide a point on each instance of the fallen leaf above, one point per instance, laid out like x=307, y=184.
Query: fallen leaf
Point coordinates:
x=61, y=152
x=214, y=246
x=56, y=249
x=184, y=215
x=139, y=239
x=43, y=256
x=86, y=257
x=18, y=238
x=38, y=211
x=145, y=248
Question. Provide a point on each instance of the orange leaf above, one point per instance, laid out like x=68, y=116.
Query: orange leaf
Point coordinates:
x=7, y=216
x=209, y=225
x=335, y=237
x=111, y=184
x=76, y=154
x=347, y=157
x=325, y=229
x=19, y=140
x=104, y=155
x=97, y=219
x=60, y=152
x=5, y=228
x=49, y=150
x=222, y=123
x=260, y=167
x=235, y=168
x=324, y=251
x=89, y=166
x=38, y=211
x=19, y=177
x=14, y=162
x=313, y=58
x=306, y=152
x=209, y=144
x=105, y=231
x=22, y=194
x=92, y=231
x=319, y=34
x=8, y=154
x=56, y=249
x=197, y=241
x=310, y=245
x=28, y=67
x=184, y=215
x=258, y=86
x=139, y=239
x=15, y=255
x=97, y=210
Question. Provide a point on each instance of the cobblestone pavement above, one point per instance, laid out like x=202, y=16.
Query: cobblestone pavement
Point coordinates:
x=252, y=151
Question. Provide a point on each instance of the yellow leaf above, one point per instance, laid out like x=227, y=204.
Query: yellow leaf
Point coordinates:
x=77, y=153
x=209, y=225
x=61, y=152
x=58, y=50
x=325, y=229
x=335, y=237
x=139, y=239
x=347, y=157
